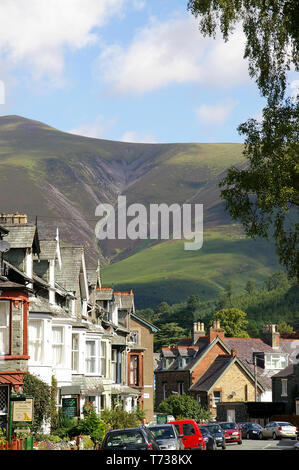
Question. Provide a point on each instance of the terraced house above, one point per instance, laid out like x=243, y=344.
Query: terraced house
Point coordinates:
x=73, y=329
x=216, y=369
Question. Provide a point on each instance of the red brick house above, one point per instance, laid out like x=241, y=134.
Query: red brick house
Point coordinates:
x=207, y=368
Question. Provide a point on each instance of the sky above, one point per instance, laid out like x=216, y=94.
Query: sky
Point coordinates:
x=125, y=70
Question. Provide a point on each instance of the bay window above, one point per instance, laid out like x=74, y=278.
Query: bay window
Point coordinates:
x=4, y=327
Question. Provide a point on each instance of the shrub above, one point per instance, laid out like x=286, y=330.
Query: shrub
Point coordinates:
x=91, y=425
x=117, y=418
x=184, y=406
x=41, y=393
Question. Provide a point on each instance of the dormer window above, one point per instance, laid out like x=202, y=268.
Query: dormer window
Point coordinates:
x=276, y=361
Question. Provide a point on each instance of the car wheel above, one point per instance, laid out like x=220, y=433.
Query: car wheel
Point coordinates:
x=260, y=436
x=223, y=446
x=239, y=443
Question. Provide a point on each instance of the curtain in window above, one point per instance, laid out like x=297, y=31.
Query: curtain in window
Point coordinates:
x=75, y=352
x=57, y=345
x=90, y=357
x=103, y=358
x=4, y=327
x=35, y=340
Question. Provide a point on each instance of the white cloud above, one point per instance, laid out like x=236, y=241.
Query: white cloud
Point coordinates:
x=37, y=32
x=132, y=136
x=170, y=52
x=215, y=114
x=97, y=129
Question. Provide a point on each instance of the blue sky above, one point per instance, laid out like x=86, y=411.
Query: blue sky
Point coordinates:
x=131, y=70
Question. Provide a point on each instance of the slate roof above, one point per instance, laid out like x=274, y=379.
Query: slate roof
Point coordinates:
x=104, y=293
x=48, y=249
x=247, y=346
x=124, y=300
x=92, y=276
x=289, y=370
x=212, y=374
x=68, y=275
x=291, y=347
x=22, y=236
x=3, y=230
x=41, y=305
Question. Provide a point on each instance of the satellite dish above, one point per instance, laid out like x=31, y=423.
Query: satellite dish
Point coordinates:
x=4, y=246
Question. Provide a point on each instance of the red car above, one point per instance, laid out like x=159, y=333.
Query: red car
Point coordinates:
x=190, y=434
x=232, y=432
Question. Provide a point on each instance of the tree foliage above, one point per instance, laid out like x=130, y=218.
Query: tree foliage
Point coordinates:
x=41, y=392
x=264, y=194
x=184, y=406
x=233, y=321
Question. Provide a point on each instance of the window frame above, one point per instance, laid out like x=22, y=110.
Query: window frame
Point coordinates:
x=7, y=328
x=40, y=341
x=60, y=345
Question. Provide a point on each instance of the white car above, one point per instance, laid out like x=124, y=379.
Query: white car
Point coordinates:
x=278, y=430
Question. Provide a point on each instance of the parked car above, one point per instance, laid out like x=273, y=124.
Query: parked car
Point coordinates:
x=130, y=439
x=218, y=434
x=167, y=437
x=250, y=430
x=232, y=432
x=208, y=438
x=278, y=430
x=191, y=435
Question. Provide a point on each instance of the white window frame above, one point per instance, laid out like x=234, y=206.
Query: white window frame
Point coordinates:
x=113, y=364
x=38, y=342
x=60, y=345
x=4, y=329
x=101, y=364
x=76, y=352
x=276, y=361
x=216, y=399
x=90, y=358
x=103, y=358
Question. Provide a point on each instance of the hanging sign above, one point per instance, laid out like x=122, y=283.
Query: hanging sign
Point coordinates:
x=22, y=411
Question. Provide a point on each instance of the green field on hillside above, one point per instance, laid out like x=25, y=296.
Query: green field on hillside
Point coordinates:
x=168, y=272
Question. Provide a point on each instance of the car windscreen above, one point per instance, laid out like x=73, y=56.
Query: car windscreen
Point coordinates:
x=214, y=428
x=125, y=438
x=285, y=424
x=228, y=425
x=159, y=432
x=255, y=426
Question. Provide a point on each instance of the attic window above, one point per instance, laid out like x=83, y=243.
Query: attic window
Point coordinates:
x=276, y=361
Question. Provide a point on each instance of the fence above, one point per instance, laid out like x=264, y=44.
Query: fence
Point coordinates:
x=18, y=444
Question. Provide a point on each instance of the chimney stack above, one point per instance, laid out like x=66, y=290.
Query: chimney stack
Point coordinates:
x=15, y=218
x=215, y=331
x=272, y=336
x=198, y=331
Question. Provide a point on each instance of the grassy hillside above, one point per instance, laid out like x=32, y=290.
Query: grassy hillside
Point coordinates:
x=61, y=178
x=168, y=272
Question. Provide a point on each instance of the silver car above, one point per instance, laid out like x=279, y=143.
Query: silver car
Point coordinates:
x=167, y=437
x=278, y=430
